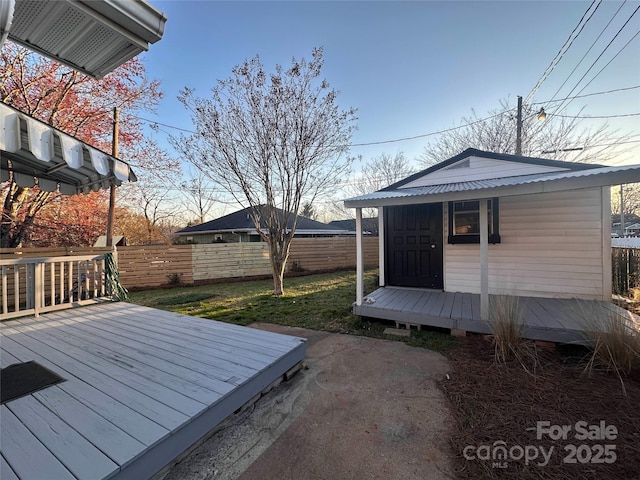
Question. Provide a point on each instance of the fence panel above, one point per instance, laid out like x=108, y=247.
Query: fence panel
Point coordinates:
x=226, y=260
x=625, y=267
x=309, y=254
x=156, y=265
x=144, y=266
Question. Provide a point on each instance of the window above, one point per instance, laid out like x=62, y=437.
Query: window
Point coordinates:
x=464, y=222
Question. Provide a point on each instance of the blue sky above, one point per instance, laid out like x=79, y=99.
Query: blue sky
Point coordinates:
x=409, y=68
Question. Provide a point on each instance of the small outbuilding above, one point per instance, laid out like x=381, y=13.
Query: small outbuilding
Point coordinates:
x=483, y=223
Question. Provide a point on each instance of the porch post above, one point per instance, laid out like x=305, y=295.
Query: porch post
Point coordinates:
x=484, y=260
x=381, y=246
x=359, y=259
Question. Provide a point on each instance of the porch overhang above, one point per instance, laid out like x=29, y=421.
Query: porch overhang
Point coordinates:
x=93, y=37
x=35, y=153
x=500, y=187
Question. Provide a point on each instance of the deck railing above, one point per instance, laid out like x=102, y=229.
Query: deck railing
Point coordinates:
x=31, y=286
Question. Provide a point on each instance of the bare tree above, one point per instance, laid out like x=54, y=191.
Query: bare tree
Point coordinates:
x=631, y=201
x=151, y=195
x=199, y=195
x=557, y=137
x=272, y=141
x=309, y=211
x=378, y=173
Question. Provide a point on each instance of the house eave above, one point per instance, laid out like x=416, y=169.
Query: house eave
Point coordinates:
x=93, y=37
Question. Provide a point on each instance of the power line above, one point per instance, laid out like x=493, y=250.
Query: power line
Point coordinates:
x=608, y=63
x=597, y=116
x=382, y=142
x=364, y=144
x=602, y=53
x=546, y=102
x=591, y=47
x=563, y=50
x=562, y=105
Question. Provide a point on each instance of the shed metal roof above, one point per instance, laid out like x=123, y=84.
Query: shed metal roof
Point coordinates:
x=595, y=176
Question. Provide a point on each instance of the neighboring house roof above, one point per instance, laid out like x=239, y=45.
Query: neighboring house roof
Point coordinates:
x=368, y=224
x=241, y=221
x=451, y=180
x=91, y=36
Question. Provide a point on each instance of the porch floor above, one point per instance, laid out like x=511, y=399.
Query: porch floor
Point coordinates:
x=549, y=319
x=142, y=386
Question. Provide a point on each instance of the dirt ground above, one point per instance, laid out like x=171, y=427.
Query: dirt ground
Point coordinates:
x=364, y=408
x=501, y=404
x=378, y=409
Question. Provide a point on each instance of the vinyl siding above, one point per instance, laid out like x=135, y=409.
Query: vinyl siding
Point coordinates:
x=480, y=169
x=551, y=246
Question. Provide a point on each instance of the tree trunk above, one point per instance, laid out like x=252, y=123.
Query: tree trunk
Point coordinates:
x=278, y=254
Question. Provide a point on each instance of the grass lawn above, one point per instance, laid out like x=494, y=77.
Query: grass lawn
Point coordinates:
x=319, y=302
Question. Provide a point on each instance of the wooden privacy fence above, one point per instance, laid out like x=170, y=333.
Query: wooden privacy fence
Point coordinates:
x=144, y=267
x=159, y=265
x=625, y=266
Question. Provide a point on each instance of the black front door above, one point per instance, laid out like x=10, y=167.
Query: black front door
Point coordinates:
x=413, y=239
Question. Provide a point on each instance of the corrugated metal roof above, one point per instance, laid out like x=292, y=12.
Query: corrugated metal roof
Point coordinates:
x=554, y=181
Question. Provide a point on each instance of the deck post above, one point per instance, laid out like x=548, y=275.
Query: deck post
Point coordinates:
x=359, y=259
x=484, y=260
x=381, y=246
x=607, y=287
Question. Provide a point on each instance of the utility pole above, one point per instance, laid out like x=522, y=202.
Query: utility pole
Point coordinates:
x=112, y=189
x=519, y=127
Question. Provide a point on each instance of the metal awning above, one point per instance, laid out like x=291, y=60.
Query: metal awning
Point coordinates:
x=500, y=187
x=92, y=36
x=39, y=154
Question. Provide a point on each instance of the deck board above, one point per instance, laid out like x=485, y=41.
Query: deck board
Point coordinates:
x=549, y=319
x=114, y=442
x=164, y=387
x=141, y=386
x=6, y=472
x=20, y=447
x=27, y=349
x=223, y=371
x=224, y=363
x=76, y=453
x=188, y=378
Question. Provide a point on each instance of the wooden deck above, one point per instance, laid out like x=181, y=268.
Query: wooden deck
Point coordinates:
x=142, y=386
x=549, y=319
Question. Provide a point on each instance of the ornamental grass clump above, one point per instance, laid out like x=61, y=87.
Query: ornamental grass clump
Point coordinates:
x=614, y=338
x=507, y=326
